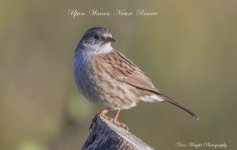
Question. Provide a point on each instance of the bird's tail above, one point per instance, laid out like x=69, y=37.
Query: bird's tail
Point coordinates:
x=167, y=99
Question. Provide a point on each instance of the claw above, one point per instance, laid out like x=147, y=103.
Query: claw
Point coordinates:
x=119, y=124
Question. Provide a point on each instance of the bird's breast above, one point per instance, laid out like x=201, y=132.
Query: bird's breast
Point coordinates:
x=96, y=83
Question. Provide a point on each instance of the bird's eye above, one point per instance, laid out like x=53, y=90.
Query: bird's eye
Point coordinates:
x=96, y=36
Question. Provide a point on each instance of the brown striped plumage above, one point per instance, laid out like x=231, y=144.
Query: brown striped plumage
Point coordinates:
x=106, y=77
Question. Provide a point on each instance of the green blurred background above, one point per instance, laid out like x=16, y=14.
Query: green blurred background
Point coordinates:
x=189, y=51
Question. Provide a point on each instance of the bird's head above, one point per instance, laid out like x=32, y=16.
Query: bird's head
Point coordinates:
x=97, y=39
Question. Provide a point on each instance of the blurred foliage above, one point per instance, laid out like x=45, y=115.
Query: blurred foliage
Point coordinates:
x=31, y=145
x=189, y=50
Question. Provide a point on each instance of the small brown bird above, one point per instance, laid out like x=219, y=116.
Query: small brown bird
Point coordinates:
x=106, y=77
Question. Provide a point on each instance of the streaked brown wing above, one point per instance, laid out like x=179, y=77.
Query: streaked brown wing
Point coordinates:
x=124, y=70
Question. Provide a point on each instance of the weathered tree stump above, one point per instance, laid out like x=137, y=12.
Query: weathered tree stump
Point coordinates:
x=107, y=136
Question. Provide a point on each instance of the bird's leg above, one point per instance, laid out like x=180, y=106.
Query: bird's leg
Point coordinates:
x=115, y=121
x=102, y=113
x=116, y=115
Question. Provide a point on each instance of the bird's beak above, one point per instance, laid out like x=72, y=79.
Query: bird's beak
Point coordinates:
x=109, y=39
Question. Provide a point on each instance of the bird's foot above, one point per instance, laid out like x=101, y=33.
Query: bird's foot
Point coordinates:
x=112, y=120
x=119, y=124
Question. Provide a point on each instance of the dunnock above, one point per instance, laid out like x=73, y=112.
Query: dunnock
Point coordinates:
x=106, y=77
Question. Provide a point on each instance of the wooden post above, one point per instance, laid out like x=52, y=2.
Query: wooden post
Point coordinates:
x=107, y=136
